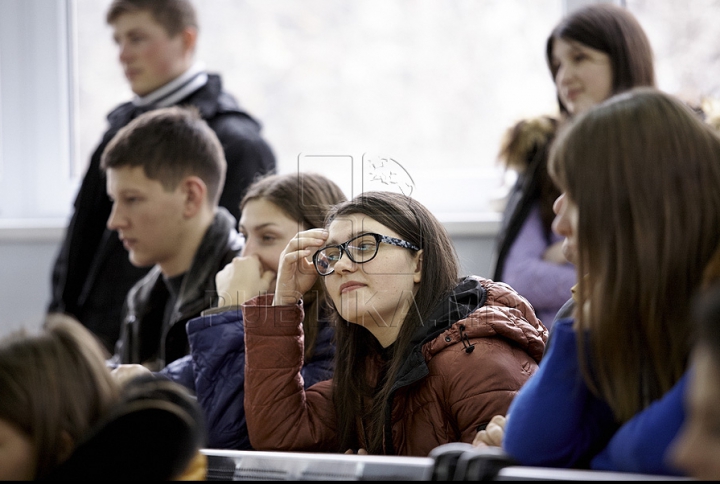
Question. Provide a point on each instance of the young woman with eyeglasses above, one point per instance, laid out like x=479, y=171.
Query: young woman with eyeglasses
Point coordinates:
x=423, y=358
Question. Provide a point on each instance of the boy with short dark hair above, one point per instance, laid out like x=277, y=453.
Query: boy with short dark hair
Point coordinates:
x=156, y=41
x=164, y=174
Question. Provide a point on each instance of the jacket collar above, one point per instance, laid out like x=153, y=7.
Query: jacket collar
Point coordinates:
x=210, y=99
x=220, y=236
x=467, y=296
x=175, y=90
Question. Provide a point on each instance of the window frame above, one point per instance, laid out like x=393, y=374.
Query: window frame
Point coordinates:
x=35, y=104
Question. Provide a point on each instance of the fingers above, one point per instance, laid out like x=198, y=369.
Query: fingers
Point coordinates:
x=268, y=277
x=300, y=249
x=495, y=430
x=480, y=439
x=296, y=273
x=314, y=238
x=242, y=279
x=297, y=255
x=245, y=263
x=236, y=265
x=125, y=373
x=493, y=433
x=498, y=420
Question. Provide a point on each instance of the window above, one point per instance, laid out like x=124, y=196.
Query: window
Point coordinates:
x=686, y=43
x=34, y=102
x=424, y=88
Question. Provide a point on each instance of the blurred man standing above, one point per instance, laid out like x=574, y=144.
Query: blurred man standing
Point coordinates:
x=156, y=41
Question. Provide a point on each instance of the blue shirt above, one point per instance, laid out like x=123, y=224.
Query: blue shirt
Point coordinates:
x=555, y=421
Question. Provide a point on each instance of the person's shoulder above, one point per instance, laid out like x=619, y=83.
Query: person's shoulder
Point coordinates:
x=565, y=311
x=223, y=227
x=502, y=295
x=564, y=338
x=121, y=114
x=217, y=330
x=509, y=315
x=235, y=123
x=218, y=104
x=237, y=129
x=480, y=361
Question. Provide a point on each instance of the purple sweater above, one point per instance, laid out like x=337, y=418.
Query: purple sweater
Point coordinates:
x=545, y=284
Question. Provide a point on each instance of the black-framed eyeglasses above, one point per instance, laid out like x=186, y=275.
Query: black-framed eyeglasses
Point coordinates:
x=360, y=249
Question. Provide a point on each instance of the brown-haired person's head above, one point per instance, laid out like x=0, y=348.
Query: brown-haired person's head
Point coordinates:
x=165, y=171
x=55, y=387
x=156, y=40
x=597, y=51
x=274, y=209
x=640, y=175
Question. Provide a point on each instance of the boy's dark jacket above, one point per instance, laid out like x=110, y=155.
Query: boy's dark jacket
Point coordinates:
x=92, y=273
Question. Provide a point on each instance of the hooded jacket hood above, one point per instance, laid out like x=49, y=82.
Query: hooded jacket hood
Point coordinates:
x=476, y=308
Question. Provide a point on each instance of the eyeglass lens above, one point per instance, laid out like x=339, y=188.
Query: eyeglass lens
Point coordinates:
x=361, y=249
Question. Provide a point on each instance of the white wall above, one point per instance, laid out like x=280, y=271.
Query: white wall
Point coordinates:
x=24, y=283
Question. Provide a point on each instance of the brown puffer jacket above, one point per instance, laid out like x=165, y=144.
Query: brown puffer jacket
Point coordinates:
x=443, y=393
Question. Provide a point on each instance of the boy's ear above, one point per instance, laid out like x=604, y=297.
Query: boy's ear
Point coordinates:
x=195, y=191
x=189, y=37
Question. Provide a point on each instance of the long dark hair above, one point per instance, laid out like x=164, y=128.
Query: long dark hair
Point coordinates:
x=355, y=391
x=644, y=172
